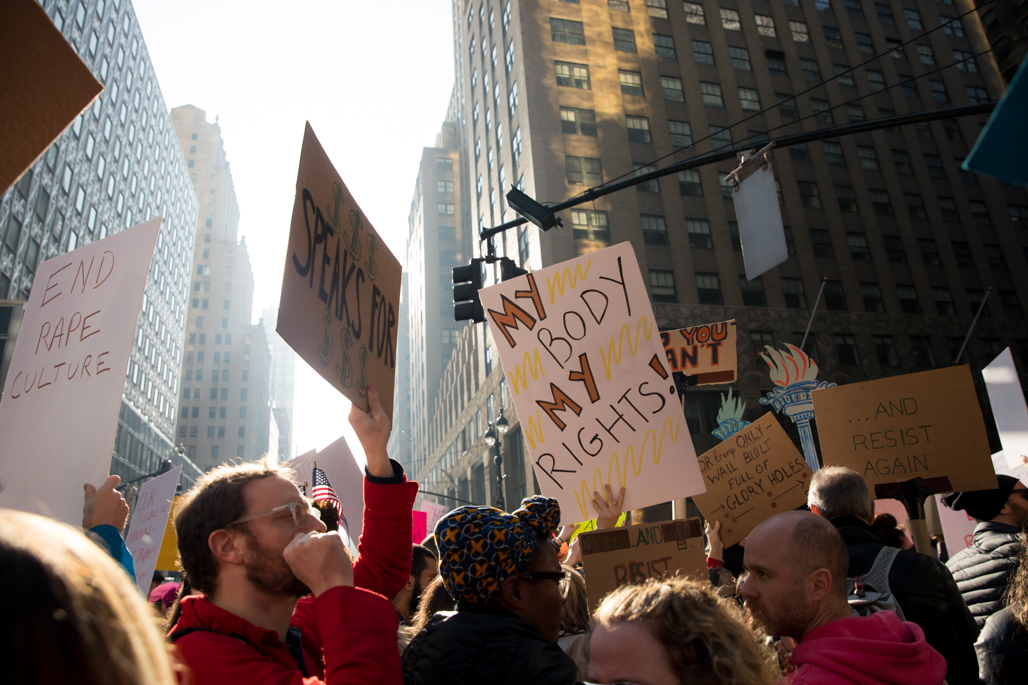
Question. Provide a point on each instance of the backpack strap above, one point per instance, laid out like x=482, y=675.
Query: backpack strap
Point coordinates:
x=199, y=629
x=878, y=575
x=293, y=641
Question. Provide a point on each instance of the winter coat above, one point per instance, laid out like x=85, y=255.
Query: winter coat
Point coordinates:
x=345, y=635
x=1003, y=650
x=874, y=650
x=484, y=646
x=983, y=570
x=927, y=595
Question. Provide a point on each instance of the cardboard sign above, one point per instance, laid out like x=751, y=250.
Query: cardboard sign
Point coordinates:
x=751, y=476
x=341, y=285
x=419, y=526
x=889, y=430
x=346, y=477
x=590, y=383
x=45, y=85
x=168, y=558
x=761, y=231
x=63, y=389
x=1008, y=406
x=957, y=527
x=706, y=352
x=149, y=521
x=632, y=555
x=433, y=512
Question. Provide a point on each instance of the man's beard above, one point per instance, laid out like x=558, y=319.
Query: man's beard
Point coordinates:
x=269, y=571
x=415, y=597
x=1020, y=513
x=792, y=620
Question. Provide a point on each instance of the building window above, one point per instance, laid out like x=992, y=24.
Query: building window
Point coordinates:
x=908, y=299
x=833, y=37
x=994, y=255
x=765, y=25
x=664, y=46
x=681, y=136
x=702, y=52
x=512, y=101
x=885, y=348
x=868, y=158
x=799, y=31
x=976, y=95
x=631, y=82
x=980, y=213
x=894, y=247
x=699, y=234
x=657, y=8
x=624, y=40
x=943, y=301
x=915, y=205
x=833, y=153
x=694, y=13
x=844, y=75
x=638, y=129
x=749, y=99
x=914, y=19
x=921, y=347
x=901, y=160
x=672, y=87
x=650, y=186
x=934, y=164
x=929, y=252
x=1018, y=215
x=948, y=208
x=711, y=94
x=835, y=299
x=822, y=110
x=924, y=53
x=876, y=79
x=786, y=104
x=939, y=93
x=445, y=209
x=858, y=246
x=578, y=121
x=721, y=135
x=810, y=70
x=619, y=5
x=515, y=145
x=951, y=26
x=855, y=113
x=583, y=171
x=884, y=13
x=662, y=286
x=846, y=348
x=795, y=297
x=809, y=195
x=776, y=65
x=740, y=58
x=654, y=229
x=689, y=183
x=799, y=153
x=589, y=224
x=752, y=292
x=709, y=288
x=872, y=297
x=444, y=186
x=572, y=75
x=965, y=61
x=847, y=199
x=566, y=31
x=730, y=20
x=975, y=298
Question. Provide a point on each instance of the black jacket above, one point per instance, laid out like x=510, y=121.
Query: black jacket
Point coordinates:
x=983, y=570
x=926, y=593
x=484, y=646
x=1003, y=651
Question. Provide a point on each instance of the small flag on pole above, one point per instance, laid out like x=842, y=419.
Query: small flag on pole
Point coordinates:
x=321, y=491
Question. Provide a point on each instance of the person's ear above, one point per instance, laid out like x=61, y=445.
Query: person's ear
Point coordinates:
x=512, y=594
x=819, y=583
x=225, y=546
x=409, y=587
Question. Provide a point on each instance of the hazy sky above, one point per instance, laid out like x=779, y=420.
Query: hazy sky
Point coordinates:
x=373, y=78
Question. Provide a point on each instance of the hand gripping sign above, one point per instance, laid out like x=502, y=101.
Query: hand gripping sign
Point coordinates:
x=588, y=375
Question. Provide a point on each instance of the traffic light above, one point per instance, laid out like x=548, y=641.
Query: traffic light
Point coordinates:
x=509, y=270
x=467, y=281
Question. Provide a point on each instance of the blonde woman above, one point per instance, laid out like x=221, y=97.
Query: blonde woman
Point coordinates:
x=70, y=613
x=574, y=630
x=674, y=631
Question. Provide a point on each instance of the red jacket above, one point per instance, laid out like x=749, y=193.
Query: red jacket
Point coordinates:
x=348, y=635
x=874, y=650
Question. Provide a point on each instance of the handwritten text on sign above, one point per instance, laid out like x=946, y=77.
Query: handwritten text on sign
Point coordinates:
x=926, y=424
x=68, y=372
x=149, y=521
x=751, y=476
x=706, y=352
x=590, y=384
x=341, y=285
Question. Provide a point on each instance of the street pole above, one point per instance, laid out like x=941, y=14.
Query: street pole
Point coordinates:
x=973, y=323
x=812, y=312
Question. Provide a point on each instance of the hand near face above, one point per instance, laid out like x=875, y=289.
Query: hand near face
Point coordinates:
x=104, y=505
x=608, y=508
x=373, y=428
x=320, y=561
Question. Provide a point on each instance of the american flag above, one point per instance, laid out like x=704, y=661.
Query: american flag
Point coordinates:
x=322, y=490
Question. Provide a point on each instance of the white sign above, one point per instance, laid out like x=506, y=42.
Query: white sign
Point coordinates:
x=1008, y=406
x=760, y=222
x=63, y=390
x=434, y=512
x=957, y=527
x=346, y=477
x=1002, y=466
x=149, y=520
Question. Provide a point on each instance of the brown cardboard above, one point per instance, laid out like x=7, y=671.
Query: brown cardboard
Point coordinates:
x=619, y=556
x=706, y=352
x=750, y=477
x=926, y=425
x=341, y=286
x=44, y=85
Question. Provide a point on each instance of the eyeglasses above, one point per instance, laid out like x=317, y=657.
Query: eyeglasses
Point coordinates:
x=299, y=510
x=544, y=575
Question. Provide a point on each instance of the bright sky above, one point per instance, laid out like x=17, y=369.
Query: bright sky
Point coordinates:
x=373, y=78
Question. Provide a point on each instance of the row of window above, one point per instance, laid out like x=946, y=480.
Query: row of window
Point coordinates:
x=192, y=431
x=216, y=393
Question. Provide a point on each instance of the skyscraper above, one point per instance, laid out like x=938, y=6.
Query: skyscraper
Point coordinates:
x=283, y=382
x=225, y=404
x=116, y=166
x=556, y=97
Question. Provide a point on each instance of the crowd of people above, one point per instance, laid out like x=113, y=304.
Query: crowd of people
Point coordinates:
x=269, y=594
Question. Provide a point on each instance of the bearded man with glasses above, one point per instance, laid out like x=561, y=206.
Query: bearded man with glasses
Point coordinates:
x=250, y=544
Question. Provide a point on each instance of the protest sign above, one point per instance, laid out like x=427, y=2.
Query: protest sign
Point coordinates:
x=341, y=286
x=622, y=556
x=750, y=477
x=1001, y=465
x=761, y=231
x=45, y=85
x=705, y=352
x=590, y=382
x=434, y=513
x=63, y=389
x=167, y=558
x=149, y=521
x=926, y=425
x=419, y=526
x=590, y=525
x=347, y=480
x=957, y=527
x=1008, y=406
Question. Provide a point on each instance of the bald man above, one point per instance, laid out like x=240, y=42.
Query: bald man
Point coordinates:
x=795, y=585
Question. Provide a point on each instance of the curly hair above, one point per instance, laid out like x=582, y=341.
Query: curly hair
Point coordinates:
x=707, y=639
x=1017, y=589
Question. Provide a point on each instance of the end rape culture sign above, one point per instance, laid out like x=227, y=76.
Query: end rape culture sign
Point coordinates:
x=926, y=424
x=63, y=389
x=341, y=286
x=588, y=374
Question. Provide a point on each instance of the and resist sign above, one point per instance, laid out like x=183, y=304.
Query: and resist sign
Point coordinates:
x=149, y=521
x=706, y=352
x=341, y=285
x=926, y=425
x=63, y=389
x=633, y=555
x=751, y=476
x=590, y=383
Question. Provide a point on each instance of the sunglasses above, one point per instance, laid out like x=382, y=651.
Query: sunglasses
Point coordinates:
x=299, y=510
x=544, y=575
